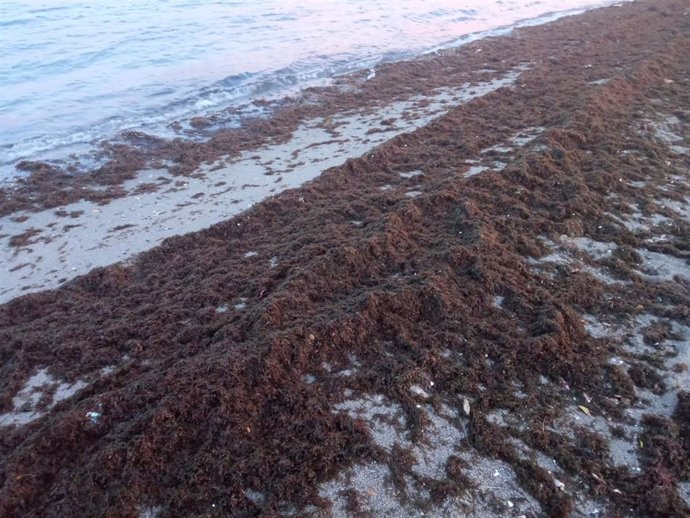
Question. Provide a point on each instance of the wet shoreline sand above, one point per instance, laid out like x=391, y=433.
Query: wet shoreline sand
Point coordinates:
x=488, y=315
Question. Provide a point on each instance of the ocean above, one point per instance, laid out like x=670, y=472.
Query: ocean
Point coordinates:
x=75, y=72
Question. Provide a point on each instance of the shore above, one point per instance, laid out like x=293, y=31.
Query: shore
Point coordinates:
x=478, y=304
x=43, y=249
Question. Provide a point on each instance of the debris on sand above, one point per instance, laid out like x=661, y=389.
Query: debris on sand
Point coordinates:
x=509, y=343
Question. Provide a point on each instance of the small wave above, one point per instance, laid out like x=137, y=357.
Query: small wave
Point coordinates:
x=48, y=9
x=13, y=23
x=236, y=79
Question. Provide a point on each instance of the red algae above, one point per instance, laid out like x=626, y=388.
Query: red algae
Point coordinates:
x=529, y=318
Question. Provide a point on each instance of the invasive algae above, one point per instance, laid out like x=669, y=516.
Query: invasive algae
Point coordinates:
x=289, y=362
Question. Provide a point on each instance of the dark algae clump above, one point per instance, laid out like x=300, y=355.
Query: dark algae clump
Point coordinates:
x=510, y=343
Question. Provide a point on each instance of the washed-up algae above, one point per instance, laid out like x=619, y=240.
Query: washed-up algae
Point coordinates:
x=240, y=370
x=44, y=185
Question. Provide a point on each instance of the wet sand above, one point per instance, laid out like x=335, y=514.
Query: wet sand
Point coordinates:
x=484, y=311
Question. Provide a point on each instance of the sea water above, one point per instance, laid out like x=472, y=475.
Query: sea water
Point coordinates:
x=73, y=72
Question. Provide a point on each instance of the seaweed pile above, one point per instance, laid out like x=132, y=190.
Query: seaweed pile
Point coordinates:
x=489, y=316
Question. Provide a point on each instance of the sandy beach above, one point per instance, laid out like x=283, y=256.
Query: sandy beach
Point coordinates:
x=73, y=239
x=454, y=286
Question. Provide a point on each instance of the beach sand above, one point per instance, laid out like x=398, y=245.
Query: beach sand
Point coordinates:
x=62, y=243
x=458, y=288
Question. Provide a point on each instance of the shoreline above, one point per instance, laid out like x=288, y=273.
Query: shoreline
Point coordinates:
x=56, y=226
x=485, y=311
x=46, y=185
x=263, y=85
x=44, y=250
